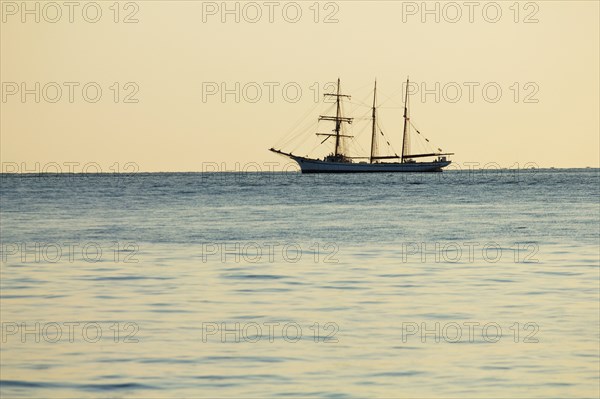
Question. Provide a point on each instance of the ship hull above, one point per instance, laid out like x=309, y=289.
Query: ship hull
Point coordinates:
x=317, y=166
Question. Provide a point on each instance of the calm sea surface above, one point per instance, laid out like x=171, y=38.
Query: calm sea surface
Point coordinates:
x=453, y=284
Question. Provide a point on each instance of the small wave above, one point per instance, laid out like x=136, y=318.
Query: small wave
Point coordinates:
x=408, y=373
x=255, y=276
x=94, y=387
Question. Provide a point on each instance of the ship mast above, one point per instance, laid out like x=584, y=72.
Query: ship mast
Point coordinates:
x=374, y=124
x=406, y=122
x=338, y=118
x=338, y=124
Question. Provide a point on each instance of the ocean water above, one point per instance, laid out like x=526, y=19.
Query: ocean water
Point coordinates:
x=454, y=284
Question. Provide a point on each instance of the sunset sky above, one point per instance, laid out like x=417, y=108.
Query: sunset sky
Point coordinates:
x=544, y=56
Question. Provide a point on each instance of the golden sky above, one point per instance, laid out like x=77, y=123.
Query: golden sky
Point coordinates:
x=168, y=61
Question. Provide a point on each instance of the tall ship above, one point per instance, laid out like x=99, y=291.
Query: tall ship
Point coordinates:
x=341, y=160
